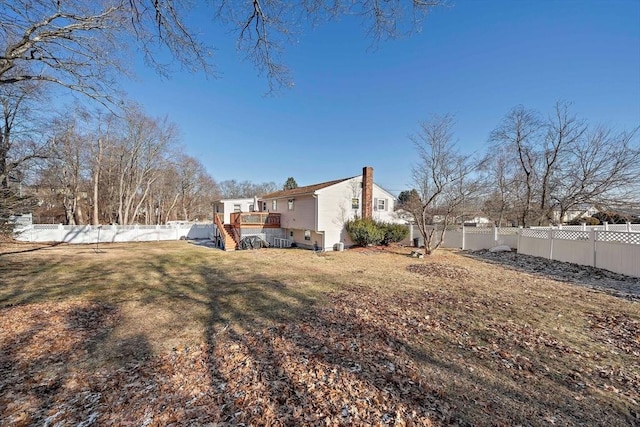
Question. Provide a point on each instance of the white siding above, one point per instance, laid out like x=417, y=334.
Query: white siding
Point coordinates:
x=334, y=205
x=226, y=207
x=302, y=217
x=386, y=215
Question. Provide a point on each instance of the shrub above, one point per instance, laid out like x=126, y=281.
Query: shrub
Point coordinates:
x=589, y=220
x=394, y=233
x=365, y=232
x=611, y=217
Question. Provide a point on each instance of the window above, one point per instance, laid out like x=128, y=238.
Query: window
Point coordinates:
x=251, y=207
x=381, y=204
x=274, y=205
x=307, y=235
x=290, y=204
x=236, y=208
x=355, y=203
x=264, y=206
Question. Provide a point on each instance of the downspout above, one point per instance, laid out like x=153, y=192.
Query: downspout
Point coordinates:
x=315, y=217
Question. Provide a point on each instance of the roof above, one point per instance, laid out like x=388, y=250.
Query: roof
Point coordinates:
x=238, y=199
x=299, y=191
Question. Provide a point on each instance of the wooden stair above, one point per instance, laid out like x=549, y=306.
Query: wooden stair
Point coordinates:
x=228, y=234
x=230, y=242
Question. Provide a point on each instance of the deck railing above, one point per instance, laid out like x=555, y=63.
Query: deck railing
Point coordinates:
x=255, y=219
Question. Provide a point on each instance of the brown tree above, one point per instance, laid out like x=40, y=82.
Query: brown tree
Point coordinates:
x=443, y=179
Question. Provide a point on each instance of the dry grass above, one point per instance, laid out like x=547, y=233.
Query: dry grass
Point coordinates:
x=174, y=332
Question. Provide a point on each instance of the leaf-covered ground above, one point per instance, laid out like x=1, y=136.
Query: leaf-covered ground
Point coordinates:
x=192, y=336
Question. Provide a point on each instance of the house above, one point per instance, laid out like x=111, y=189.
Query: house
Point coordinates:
x=224, y=207
x=576, y=212
x=314, y=216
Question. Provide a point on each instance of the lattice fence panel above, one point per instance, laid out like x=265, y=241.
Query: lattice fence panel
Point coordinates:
x=535, y=233
x=479, y=230
x=618, y=236
x=571, y=235
x=508, y=231
x=45, y=226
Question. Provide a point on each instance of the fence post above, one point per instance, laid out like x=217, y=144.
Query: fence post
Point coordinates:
x=628, y=227
x=518, y=233
x=592, y=238
x=463, y=237
x=551, y=231
x=495, y=235
x=61, y=231
x=606, y=225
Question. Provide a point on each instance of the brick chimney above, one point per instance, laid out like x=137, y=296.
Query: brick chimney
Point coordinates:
x=367, y=192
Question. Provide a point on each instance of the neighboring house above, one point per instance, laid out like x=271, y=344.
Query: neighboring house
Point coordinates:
x=403, y=216
x=224, y=207
x=311, y=217
x=477, y=221
x=580, y=211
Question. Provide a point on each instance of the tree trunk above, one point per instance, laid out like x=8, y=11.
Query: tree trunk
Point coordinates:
x=96, y=183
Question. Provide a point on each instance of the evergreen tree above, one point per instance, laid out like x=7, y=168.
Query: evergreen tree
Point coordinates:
x=290, y=184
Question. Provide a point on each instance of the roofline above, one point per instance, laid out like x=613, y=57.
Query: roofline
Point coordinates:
x=305, y=190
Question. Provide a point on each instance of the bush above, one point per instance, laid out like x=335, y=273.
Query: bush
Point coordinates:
x=589, y=220
x=394, y=233
x=611, y=217
x=367, y=232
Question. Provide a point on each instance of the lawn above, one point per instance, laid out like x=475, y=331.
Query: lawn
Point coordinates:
x=161, y=333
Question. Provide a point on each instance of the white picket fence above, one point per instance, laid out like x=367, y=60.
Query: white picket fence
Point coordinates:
x=112, y=233
x=611, y=247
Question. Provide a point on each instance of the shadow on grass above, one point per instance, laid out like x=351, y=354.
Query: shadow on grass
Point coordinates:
x=274, y=353
x=33, y=249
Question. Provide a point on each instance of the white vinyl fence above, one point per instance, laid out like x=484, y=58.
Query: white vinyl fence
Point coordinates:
x=112, y=233
x=617, y=251
x=613, y=247
x=471, y=238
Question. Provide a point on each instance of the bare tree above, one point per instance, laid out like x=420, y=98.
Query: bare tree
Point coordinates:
x=78, y=44
x=518, y=133
x=443, y=179
x=140, y=160
x=603, y=169
x=232, y=189
x=561, y=163
x=197, y=189
x=20, y=133
x=65, y=168
x=563, y=135
x=501, y=184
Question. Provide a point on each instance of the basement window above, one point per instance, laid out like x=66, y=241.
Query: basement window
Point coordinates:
x=307, y=235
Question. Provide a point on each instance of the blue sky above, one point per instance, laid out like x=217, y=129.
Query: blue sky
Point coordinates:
x=353, y=106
